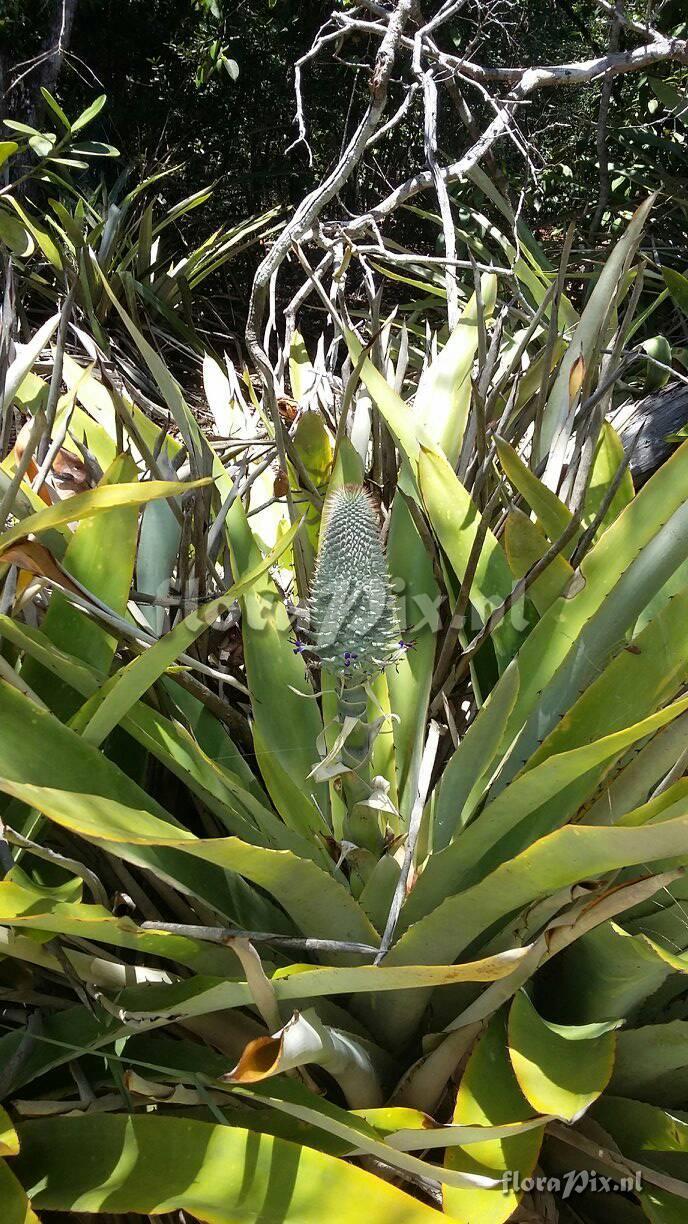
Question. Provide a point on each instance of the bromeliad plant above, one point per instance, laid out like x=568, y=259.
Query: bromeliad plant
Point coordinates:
x=61, y=225
x=389, y=935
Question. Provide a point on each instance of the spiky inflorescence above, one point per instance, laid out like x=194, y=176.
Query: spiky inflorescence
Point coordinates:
x=354, y=626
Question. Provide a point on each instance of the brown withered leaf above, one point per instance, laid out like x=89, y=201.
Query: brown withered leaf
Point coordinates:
x=288, y=408
x=35, y=558
x=576, y=377
x=281, y=484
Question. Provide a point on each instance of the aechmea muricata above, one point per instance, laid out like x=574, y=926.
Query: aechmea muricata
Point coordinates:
x=354, y=623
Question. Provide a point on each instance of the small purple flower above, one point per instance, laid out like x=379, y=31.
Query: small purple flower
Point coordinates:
x=406, y=645
x=299, y=646
x=349, y=656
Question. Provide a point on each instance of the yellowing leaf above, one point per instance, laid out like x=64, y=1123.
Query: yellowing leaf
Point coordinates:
x=525, y=543
x=152, y=1165
x=561, y=1069
x=489, y=1095
x=576, y=376
x=9, y=1143
x=85, y=505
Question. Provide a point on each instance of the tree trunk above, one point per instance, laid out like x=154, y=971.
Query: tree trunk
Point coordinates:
x=23, y=100
x=56, y=44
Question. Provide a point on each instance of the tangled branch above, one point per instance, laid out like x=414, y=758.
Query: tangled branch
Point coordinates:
x=429, y=67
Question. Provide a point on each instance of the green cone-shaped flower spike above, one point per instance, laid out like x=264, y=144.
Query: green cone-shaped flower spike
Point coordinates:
x=354, y=626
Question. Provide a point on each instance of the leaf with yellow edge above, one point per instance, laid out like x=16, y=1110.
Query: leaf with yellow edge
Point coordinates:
x=85, y=505
x=525, y=543
x=219, y=1174
x=561, y=1069
x=9, y=1143
x=489, y=1095
x=16, y=1208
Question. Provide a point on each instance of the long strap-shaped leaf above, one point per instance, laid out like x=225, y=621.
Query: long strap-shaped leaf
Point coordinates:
x=120, y=693
x=85, y=505
x=36, y=747
x=286, y=720
x=554, y=516
x=169, y=387
x=22, y=906
x=444, y=392
x=204, y=994
x=397, y=414
x=583, y=341
x=465, y=775
x=574, y=853
x=580, y=631
x=100, y=556
x=455, y=519
x=27, y=355
x=242, y=811
x=451, y=869
x=316, y=902
x=152, y=1165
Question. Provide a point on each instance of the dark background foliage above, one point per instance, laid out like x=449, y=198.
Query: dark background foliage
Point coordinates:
x=169, y=100
x=208, y=86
